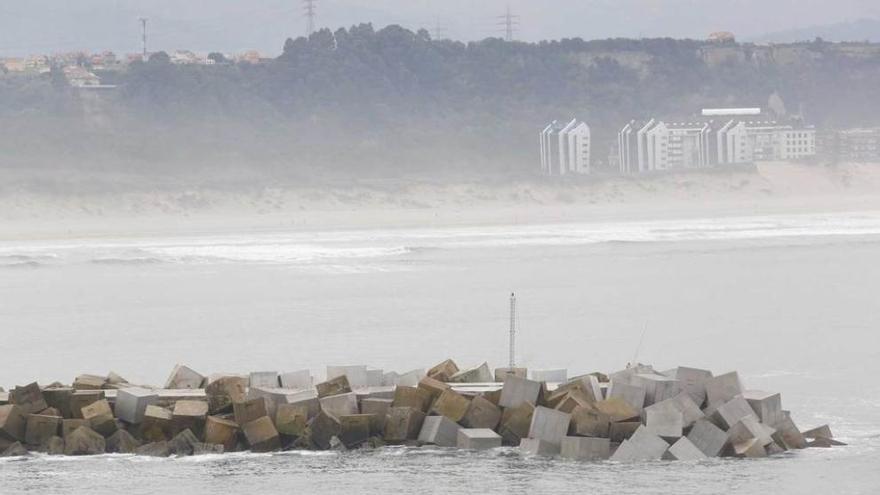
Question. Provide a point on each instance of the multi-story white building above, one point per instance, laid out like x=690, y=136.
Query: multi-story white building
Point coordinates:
x=565, y=149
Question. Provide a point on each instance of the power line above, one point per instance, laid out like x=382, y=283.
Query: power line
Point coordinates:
x=309, y=7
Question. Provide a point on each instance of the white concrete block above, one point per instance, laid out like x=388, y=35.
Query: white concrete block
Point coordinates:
x=685, y=450
x=478, y=439
x=586, y=448
x=440, y=431
x=131, y=402
x=517, y=390
x=549, y=376
x=298, y=380
x=549, y=425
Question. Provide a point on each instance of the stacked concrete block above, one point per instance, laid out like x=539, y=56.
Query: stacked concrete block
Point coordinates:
x=727, y=414
x=477, y=374
x=440, y=431
x=132, y=402
x=515, y=423
x=402, y=424
x=433, y=386
x=657, y=387
x=587, y=421
x=89, y=382
x=307, y=398
x=84, y=441
x=29, y=398
x=415, y=397
x=261, y=435
x=538, y=447
x=411, y=378
x=748, y=437
x=190, y=415
x=666, y=424
x=59, y=398
x=501, y=374
x=41, y=428
x=693, y=382
x=13, y=423
x=291, y=420
x=374, y=377
x=82, y=398
x=249, y=410
x=632, y=394
x=683, y=403
x=617, y=409
x=297, y=380
x=68, y=426
x=481, y=414
x=549, y=376
x=263, y=379
x=378, y=409
x=121, y=442
x=224, y=391
x=443, y=371
x=585, y=448
x=221, y=431
x=100, y=417
x=184, y=377
x=158, y=424
x=685, y=450
x=766, y=405
x=452, y=405
x=722, y=388
x=622, y=431
x=356, y=374
x=355, y=429
x=708, y=438
x=340, y=405
x=333, y=386
x=549, y=425
x=478, y=439
x=518, y=390
x=183, y=443
x=642, y=446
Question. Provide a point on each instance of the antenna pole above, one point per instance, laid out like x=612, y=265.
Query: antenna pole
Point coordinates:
x=512, y=363
x=309, y=6
x=144, y=36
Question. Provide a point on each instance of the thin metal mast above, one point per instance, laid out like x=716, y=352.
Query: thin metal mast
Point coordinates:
x=309, y=6
x=509, y=21
x=512, y=361
x=144, y=36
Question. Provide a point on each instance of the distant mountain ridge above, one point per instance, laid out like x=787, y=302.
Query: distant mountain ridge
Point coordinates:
x=857, y=30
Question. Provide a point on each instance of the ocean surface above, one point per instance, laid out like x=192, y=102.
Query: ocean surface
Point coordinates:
x=790, y=301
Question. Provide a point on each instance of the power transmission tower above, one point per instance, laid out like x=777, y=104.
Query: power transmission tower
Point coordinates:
x=143, y=21
x=510, y=22
x=309, y=7
x=512, y=360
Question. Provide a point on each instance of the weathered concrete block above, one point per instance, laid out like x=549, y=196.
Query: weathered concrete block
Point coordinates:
x=157, y=425
x=823, y=431
x=356, y=374
x=538, y=447
x=89, y=382
x=549, y=425
x=682, y=403
x=333, y=386
x=297, y=380
x=376, y=407
x=657, y=387
x=722, y=388
x=250, y=410
x=68, y=426
x=549, y=376
x=440, y=431
x=478, y=439
x=374, y=377
x=789, y=433
x=403, y=423
x=340, y=405
x=708, y=438
x=190, y=415
x=262, y=435
x=84, y=441
x=477, y=374
x=59, y=398
x=631, y=394
x=29, y=398
x=731, y=411
x=14, y=450
x=322, y=429
x=585, y=449
x=121, y=442
x=100, y=417
x=54, y=446
x=693, y=382
x=183, y=443
x=132, y=402
x=113, y=379
x=587, y=421
x=590, y=386
x=517, y=390
x=355, y=429
x=481, y=414
x=443, y=371
x=220, y=431
x=291, y=420
x=746, y=429
x=184, y=377
x=667, y=424
x=82, y=398
x=622, y=431
x=452, y=405
x=263, y=379
x=415, y=397
x=501, y=374
x=13, y=423
x=204, y=448
x=411, y=378
x=642, y=446
x=685, y=450
x=433, y=387
x=390, y=378
x=308, y=399
x=225, y=391
x=572, y=400
x=515, y=423
x=617, y=409
x=41, y=428
x=766, y=405
x=154, y=449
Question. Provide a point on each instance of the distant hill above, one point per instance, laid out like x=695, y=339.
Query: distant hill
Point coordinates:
x=858, y=30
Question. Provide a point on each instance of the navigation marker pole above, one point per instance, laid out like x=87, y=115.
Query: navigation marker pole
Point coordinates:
x=512, y=363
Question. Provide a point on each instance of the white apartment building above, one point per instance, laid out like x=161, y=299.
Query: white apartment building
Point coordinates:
x=565, y=148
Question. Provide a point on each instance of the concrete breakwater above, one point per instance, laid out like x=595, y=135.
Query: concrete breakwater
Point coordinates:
x=635, y=414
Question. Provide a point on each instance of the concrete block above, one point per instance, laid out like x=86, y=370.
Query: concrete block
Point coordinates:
x=433, y=387
x=617, y=409
x=190, y=415
x=355, y=429
x=334, y=386
x=263, y=379
x=13, y=423
x=322, y=429
x=291, y=420
x=376, y=407
x=82, y=398
x=374, y=377
x=383, y=392
x=682, y=403
x=440, y=431
x=220, y=431
x=633, y=395
x=587, y=421
x=746, y=429
x=657, y=387
x=41, y=428
x=549, y=376
x=590, y=385
x=478, y=439
x=517, y=390
x=452, y=405
x=297, y=380
x=272, y=396
x=666, y=424
x=183, y=377
x=538, y=447
x=572, y=400
x=225, y=391
x=100, y=417
x=154, y=449
x=515, y=423
x=823, y=431
x=477, y=374
x=307, y=398
x=132, y=402
x=84, y=441
x=356, y=374
x=262, y=435
x=622, y=431
x=722, y=388
x=89, y=382
x=443, y=371
x=68, y=426
x=113, y=379
x=481, y=413
x=708, y=438
x=14, y=450
x=731, y=411
x=788, y=432
x=183, y=443
x=549, y=425
x=158, y=424
x=642, y=446
x=685, y=450
x=411, y=378
x=250, y=410
x=585, y=449
x=204, y=448
x=415, y=397
x=501, y=374
x=766, y=405
x=54, y=446
x=403, y=423
x=340, y=405
x=390, y=378
x=59, y=398
x=29, y=398
x=693, y=382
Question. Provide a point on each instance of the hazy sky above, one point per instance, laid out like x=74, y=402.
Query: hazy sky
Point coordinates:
x=41, y=26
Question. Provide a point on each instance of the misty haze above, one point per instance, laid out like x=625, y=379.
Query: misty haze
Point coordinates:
x=339, y=246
